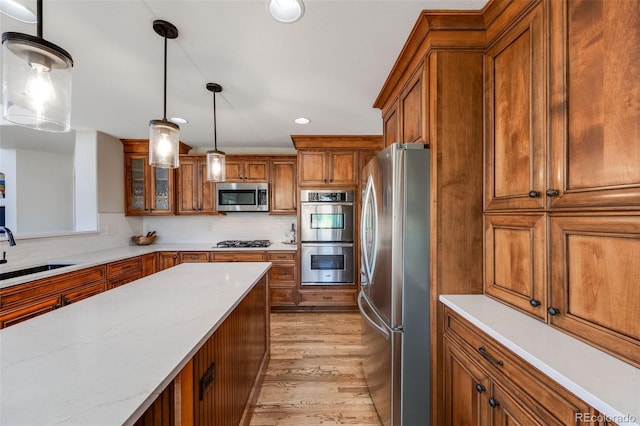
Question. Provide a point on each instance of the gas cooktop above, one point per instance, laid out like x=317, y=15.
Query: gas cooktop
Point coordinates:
x=243, y=243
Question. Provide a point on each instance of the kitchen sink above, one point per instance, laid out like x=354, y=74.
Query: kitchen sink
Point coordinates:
x=32, y=270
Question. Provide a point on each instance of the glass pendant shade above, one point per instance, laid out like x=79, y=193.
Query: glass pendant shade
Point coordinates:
x=216, y=166
x=164, y=143
x=36, y=83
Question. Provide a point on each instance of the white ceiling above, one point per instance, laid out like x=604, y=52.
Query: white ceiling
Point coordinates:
x=329, y=66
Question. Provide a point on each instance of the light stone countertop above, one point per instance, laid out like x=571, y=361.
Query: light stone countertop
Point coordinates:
x=104, y=360
x=100, y=257
x=609, y=385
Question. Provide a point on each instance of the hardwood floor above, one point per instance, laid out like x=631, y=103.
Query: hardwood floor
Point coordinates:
x=315, y=373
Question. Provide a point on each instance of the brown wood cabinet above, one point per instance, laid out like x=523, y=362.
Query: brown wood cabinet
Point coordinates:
x=149, y=263
x=148, y=190
x=195, y=195
x=486, y=384
x=246, y=169
x=124, y=271
x=238, y=256
x=283, y=189
x=167, y=259
x=586, y=187
x=193, y=257
x=24, y=301
x=390, y=128
x=516, y=111
x=327, y=167
x=406, y=120
x=283, y=278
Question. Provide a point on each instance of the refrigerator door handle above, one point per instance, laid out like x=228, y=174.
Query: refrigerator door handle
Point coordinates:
x=369, y=219
x=381, y=330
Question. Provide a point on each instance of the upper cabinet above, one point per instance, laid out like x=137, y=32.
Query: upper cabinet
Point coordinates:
x=246, y=169
x=516, y=111
x=331, y=160
x=148, y=190
x=283, y=191
x=195, y=195
x=595, y=103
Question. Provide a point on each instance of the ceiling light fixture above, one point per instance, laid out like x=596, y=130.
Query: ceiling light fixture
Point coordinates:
x=14, y=9
x=215, y=159
x=36, y=81
x=302, y=120
x=286, y=11
x=164, y=136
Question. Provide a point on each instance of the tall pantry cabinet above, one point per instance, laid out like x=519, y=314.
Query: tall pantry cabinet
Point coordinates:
x=562, y=226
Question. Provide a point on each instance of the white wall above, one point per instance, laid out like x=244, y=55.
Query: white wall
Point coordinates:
x=86, y=181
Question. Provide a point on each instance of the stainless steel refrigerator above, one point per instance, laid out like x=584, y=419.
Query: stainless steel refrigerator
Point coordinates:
x=394, y=299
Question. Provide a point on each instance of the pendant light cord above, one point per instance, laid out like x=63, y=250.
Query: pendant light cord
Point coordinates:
x=215, y=135
x=39, y=16
x=164, y=114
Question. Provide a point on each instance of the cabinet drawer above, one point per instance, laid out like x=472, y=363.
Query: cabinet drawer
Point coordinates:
x=194, y=256
x=238, y=257
x=123, y=279
x=27, y=311
x=281, y=256
x=282, y=296
x=282, y=274
x=48, y=286
x=550, y=400
x=122, y=267
x=327, y=297
x=82, y=293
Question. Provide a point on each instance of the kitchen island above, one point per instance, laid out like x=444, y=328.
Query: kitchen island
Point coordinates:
x=107, y=359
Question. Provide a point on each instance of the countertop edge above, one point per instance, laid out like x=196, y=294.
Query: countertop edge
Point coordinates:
x=463, y=305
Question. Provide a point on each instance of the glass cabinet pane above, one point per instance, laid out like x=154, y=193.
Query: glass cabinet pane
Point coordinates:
x=137, y=184
x=161, y=195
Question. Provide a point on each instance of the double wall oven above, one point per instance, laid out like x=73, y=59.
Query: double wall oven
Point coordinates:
x=326, y=237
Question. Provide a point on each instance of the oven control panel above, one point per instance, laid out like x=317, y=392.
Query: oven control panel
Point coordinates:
x=314, y=196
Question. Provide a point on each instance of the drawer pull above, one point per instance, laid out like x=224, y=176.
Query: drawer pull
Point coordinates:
x=57, y=306
x=480, y=388
x=534, y=194
x=553, y=311
x=535, y=303
x=327, y=297
x=493, y=402
x=485, y=355
x=67, y=301
x=552, y=192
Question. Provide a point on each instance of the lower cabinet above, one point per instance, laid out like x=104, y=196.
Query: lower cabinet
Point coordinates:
x=327, y=298
x=220, y=384
x=486, y=384
x=193, y=256
x=124, y=271
x=282, y=278
x=167, y=259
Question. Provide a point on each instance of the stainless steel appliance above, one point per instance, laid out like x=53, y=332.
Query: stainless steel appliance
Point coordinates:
x=326, y=237
x=326, y=215
x=243, y=243
x=326, y=264
x=394, y=299
x=242, y=197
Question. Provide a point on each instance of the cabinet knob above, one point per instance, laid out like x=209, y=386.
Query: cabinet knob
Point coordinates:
x=552, y=192
x=535, y=303
x=67, y=301
x=534, y=194
x=57, y=305
x=493, y=402
x=480, y=388
x=553, y=311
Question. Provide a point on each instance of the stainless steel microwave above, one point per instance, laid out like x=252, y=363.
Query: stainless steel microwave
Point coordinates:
x=242, y=197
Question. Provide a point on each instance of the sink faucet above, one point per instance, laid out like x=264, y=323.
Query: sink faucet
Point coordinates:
x=12, y=241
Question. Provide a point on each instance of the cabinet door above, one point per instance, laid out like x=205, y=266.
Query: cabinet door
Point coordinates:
x=136, y=184
x=194, y=256
x=29, y=310
x=149, y=264
x=283, y=189
x=206, y=190
x=256, y=170
x=187, y=186
x=594, y=281
x=508, y=410
x=233, y=169
x=516, y=116
x=161, y=191
x=76, y=295
x=390, y=125
x=466, y=389
x=167, y=259
x=342, y=169
x=311, y=167
x=595, y=121
x=515, y=261
x=412, y=102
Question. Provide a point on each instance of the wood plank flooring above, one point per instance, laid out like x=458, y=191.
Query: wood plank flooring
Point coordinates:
x=315, y=373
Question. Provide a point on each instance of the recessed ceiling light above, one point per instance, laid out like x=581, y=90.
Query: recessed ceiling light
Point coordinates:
x=16, y=10
x=178, y=120
x=286, y=11
x=302, y=120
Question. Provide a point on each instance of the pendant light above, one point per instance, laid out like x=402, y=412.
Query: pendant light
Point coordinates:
x=215, y=159
x=286, y=11
x=36, y=81
x=164, y=136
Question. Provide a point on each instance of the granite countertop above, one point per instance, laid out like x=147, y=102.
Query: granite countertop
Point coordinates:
x=609, y=385
x=104, y=360
x=100, y=257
